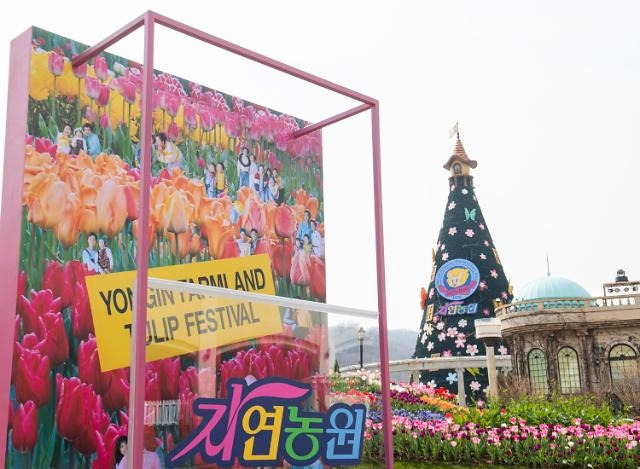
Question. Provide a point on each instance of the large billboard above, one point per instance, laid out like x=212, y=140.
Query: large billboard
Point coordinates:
x=236, y=202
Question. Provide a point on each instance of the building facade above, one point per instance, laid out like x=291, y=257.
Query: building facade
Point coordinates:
x=562, y=339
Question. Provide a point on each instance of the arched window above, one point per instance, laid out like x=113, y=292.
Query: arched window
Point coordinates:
x=538, y=378
x=568, y=371
x=457, y=169
x=623, y=363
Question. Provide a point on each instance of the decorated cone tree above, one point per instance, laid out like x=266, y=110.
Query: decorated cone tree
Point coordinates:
x=467, y=282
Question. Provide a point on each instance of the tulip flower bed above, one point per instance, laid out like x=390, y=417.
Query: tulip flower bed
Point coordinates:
x=430, y=429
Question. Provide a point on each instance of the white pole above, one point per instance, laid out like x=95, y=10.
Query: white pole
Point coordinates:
x=491, y=367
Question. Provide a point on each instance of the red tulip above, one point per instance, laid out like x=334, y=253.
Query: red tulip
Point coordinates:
x=53, y=334
x=201, y=163
x=10, y=418
x=103, y=96
x=44, y=145
x=80, y=71
x=285, y=221
x=188, y=380
x=89, y=366
x=151, y=384
x=230, y=249
x=151, y=443
x=168, y=373
x=25, y=427
x=127, y=89
x=56, y=63
x=74, y=271
x=53, y=279
x=22, y=287
x=300, y=265
x=98, y=422
x=92, y=87
x=73, y=411
x=187, y=420
x=100, y=67
x=277, y=258
x=173, y=131
x=116, y=397
x=32, y=380
x=262, y=247
x=81, y=313
x=41, y=302
x=318, y=283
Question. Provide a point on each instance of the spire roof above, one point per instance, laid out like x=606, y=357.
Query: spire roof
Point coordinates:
x=459, y=154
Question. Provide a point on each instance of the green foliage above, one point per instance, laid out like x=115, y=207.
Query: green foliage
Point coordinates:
x=556, y=409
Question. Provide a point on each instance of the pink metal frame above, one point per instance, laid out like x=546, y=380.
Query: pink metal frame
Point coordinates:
x=12, y=203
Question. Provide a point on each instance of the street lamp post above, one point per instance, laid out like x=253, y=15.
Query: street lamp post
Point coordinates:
x=361, y=339
x=490, y=330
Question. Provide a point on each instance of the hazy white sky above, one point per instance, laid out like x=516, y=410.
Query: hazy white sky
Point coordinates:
x=546, y=94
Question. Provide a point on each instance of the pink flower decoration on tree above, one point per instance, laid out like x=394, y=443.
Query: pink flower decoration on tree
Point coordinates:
x=447, y=353
x=475, y=386
x=472, y=349
x=452, y=332
x=445, y=256
x=483, y=256
x=503, y=350
x=483, y=285
x=453, y=230
x=460, y=341
x=470, y=233
x=442, y=336
x=452, y=205
x=493, y=273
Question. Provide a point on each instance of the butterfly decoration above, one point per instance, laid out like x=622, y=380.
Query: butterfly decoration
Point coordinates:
x=469, y=214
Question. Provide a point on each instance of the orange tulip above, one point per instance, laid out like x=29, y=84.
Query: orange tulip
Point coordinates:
x=218, y=231
x=244, y=193
x=158, y=198
x=270, y=215
x=184, y=242
x=300, y=196
x=177, y=212
x=254, y=217
x=111, y=205
x=300, y=266
x=312, y=205
x=194, y=245
x=46, y=200
x=132, y=195
x=152, y=231
x=68, y=226
x=89, y=220
x=318, y=284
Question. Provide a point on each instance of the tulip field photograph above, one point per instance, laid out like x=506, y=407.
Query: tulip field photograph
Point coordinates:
x=216, y=253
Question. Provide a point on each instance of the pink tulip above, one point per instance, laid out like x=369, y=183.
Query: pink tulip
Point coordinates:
x=190, y=115
x=173, y=131
x=103, y=96
x=104, y=121
x=232, y=124
x=80, y=71
x=100, y=67
x=206, y=120
x=127, y=89
x=90, y=114
x=92, y=87
x=56, y=63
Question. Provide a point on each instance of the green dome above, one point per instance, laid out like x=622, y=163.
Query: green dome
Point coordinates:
x=551, y=287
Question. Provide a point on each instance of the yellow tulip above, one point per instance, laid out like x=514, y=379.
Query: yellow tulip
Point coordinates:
x=68, y=225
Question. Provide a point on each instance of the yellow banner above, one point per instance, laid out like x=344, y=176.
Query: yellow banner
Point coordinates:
x=179, y=322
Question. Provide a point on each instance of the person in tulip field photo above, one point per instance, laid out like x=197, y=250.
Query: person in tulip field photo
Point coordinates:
x=92, y=142
x=317, y=242
x=168, y=152
x=105, y=256
x=90, y=255
x=77, y=142
x=64, y=139
x=244, y=167
x=81, y=217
